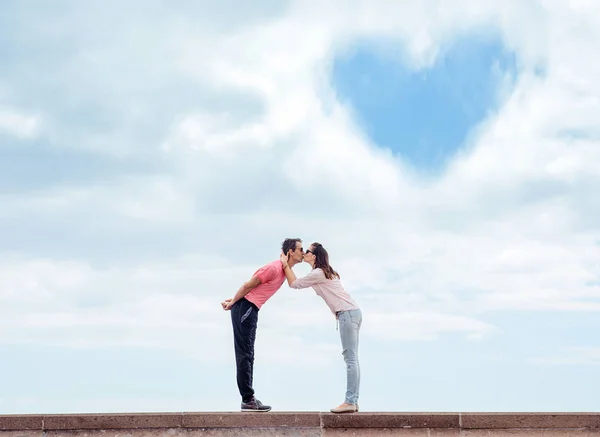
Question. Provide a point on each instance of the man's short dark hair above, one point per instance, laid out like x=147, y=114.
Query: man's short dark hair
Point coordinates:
x=289, y=244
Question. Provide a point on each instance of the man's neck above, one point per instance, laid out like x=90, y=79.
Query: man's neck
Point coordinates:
x=292, y=263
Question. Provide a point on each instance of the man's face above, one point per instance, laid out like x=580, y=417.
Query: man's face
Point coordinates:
x=298, y=254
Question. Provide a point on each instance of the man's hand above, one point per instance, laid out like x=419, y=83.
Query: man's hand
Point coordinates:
x=284, y=260
x=246, y=288
x=227, y=304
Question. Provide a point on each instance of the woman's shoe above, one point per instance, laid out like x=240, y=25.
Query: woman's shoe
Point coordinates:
x=345, y=408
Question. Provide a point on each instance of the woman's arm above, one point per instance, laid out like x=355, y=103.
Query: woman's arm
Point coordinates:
x=314, y=277
x=289, y=273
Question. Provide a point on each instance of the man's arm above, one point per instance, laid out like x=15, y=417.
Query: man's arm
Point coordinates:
x=243, y=291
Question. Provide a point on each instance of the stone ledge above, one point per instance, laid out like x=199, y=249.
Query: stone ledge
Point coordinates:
x=297, y=420
x=251, y=420
x=24, y=422
x=111, y=421
x=391, y=420
x=530, y=420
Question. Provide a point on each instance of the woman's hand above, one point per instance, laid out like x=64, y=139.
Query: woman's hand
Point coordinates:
x=284, y=260
x=287, y=270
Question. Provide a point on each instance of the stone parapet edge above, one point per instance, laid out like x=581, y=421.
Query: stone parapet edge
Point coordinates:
x=193, y=420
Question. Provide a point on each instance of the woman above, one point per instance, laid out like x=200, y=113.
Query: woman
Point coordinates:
x=326, y=283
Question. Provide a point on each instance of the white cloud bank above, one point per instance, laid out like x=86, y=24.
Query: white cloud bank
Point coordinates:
x=255, y=147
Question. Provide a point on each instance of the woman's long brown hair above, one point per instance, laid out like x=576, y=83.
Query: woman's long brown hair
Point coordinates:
x=322, y=260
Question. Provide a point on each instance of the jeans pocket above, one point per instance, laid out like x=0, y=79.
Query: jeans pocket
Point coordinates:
x=356, y=317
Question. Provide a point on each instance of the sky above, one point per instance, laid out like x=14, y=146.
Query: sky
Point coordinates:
x=154, y=154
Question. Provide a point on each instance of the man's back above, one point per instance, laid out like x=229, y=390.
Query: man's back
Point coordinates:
x=271, y=277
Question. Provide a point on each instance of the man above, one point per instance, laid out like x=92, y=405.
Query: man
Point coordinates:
x=244, y=307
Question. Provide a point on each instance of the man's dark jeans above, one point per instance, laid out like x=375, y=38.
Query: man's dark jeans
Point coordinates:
x=244, y=317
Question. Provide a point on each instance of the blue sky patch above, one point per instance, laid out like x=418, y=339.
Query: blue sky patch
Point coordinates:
x=425, y=115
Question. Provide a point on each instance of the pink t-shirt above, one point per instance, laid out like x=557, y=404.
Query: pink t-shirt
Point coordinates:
x=271, y=277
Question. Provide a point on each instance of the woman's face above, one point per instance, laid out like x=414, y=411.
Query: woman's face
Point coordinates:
x=309, y=257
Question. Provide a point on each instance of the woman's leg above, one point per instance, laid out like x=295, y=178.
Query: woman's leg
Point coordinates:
x=350, y=322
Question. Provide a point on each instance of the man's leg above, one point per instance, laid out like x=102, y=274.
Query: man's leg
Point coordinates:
x=244, y=318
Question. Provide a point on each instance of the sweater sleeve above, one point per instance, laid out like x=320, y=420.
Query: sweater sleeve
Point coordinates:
x=314, y=277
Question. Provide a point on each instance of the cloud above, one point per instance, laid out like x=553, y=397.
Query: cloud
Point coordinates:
x=246, y=143
x=575, y=356
x=409, y=326
x=17, y=124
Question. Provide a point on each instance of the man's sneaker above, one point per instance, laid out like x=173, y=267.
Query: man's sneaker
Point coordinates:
x=254, y=405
